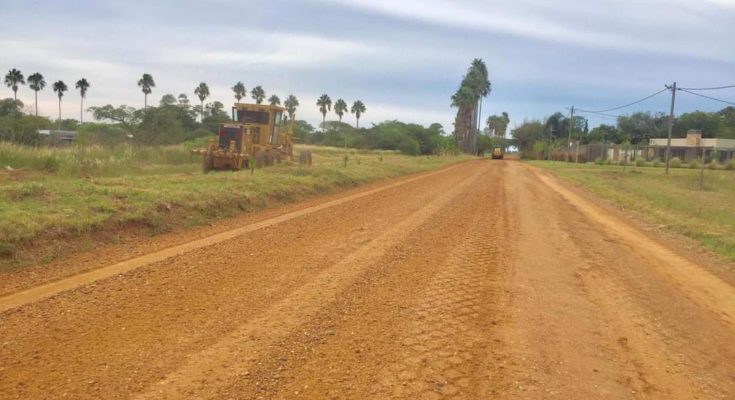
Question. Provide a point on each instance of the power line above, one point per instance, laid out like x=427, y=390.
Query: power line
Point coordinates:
x=708, y=97
x=598, y=113
x=710, y=88
x=627, y=105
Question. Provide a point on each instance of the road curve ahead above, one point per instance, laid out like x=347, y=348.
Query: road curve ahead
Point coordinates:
x=485, y=280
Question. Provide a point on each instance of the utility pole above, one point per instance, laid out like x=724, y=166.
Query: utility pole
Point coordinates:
x=671, y=125
x=569, y=140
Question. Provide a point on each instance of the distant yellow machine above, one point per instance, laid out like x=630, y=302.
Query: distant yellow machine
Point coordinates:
x=257, y=134
x=497, y=153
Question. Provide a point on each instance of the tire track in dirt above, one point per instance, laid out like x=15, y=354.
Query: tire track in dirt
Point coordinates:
x=49, y=289
x=233, y=354
x=704, y=288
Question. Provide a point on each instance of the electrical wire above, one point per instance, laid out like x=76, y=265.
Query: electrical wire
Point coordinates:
x=708, y=97
x=597, y=113
x=710, y=88
x=629, y=104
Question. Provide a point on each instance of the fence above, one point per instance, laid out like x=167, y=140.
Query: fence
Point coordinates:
x=631, y=153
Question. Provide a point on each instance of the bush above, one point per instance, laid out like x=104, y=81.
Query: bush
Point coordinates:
x=694, y=164
x=713, y=165
x=641, y=163
x=730, y=166
x=600, y=161
x=609, y=161
x=675, y=162
x=657, y=163
x=409, y=146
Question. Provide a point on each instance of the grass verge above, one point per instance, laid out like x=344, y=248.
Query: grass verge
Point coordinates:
x=675, y=202
x=44, y=214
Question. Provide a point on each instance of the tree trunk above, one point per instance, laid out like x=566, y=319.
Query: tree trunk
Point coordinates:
x=81, y=111
x=357, y=124
x=36, y=102
x=201, y=112
x=58, y=124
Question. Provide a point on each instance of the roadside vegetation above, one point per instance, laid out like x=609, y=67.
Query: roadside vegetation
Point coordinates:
x=64, y=199
x=676, y=202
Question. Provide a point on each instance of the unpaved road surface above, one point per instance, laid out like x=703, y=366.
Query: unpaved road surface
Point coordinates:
x=483, y=280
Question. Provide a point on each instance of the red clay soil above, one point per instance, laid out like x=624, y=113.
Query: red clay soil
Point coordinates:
x=484, y=280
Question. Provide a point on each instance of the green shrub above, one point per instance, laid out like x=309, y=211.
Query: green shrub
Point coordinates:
x=641, y=163
x=694, y=164
x=713, y=165
x=657, y=163
x=608, y=161
x=730, y=166
x=675, y=162
x=600, y=161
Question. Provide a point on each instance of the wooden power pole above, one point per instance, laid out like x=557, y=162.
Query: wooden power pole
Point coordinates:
x=671, y=126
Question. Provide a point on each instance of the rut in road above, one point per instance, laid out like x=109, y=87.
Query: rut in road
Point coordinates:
x=487, y=282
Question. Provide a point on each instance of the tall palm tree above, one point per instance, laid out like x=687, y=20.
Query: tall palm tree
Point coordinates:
x=202, y=91
x=82, y=85
x=340, y=107
x=240, y=91
x=59, y=88
x=37, y=83
x=325, y=104
x=274, y=100
x=258, y=94
x=358, y=108
x=14, y=78
x=146, y=84
x=291, y=103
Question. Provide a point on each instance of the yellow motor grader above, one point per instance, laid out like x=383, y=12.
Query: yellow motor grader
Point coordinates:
x=257, y=134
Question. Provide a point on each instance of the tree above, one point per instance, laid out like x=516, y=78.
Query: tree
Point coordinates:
x=258, y=94
x=642, y=126
x=216, y=108
x=183, y=100
x=709, y=123
x=202, y=91
x=127, y=117
x=83, y=86
x=167, y=100
x=291, y=104
x=528, y=133
x=358, y=108
x=12, y=79
x=146, y=84
x=605, y=134
x=37, y=83
x=340, y=107
x=59, y=88
x=498, y=124
x=240, y=91
x=325, y=104
x=468, y=99
x=274, y=100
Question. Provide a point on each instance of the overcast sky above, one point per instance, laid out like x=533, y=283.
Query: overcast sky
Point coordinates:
x=402, y=58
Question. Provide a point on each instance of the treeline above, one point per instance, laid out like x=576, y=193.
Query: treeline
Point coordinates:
x=174, y=121
x=534, y=136
x=411, y=139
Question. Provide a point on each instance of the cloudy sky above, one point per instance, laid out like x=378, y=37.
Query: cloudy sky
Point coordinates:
x=402, y=58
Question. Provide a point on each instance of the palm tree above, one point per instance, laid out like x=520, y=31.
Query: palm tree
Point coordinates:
x=202, y=91
x=325, y=104
x=240, y=91
x=82, y=85
x=146, y=84
x=291, y=103
x=274, y=100
x=340, y=107
x=358, y=108
x=12, y=79
x=258, y=94
x=59, y=89
x=37, y=83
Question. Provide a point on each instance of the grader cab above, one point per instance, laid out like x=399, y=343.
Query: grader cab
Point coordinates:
x=257, y=136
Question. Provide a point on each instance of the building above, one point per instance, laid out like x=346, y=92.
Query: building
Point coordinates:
x=692, y=147
x=58, y=137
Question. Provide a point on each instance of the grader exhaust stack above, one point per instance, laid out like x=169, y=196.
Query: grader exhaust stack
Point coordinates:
x=258, y=135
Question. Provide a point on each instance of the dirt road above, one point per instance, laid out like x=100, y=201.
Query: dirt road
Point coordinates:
x=483, y=280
